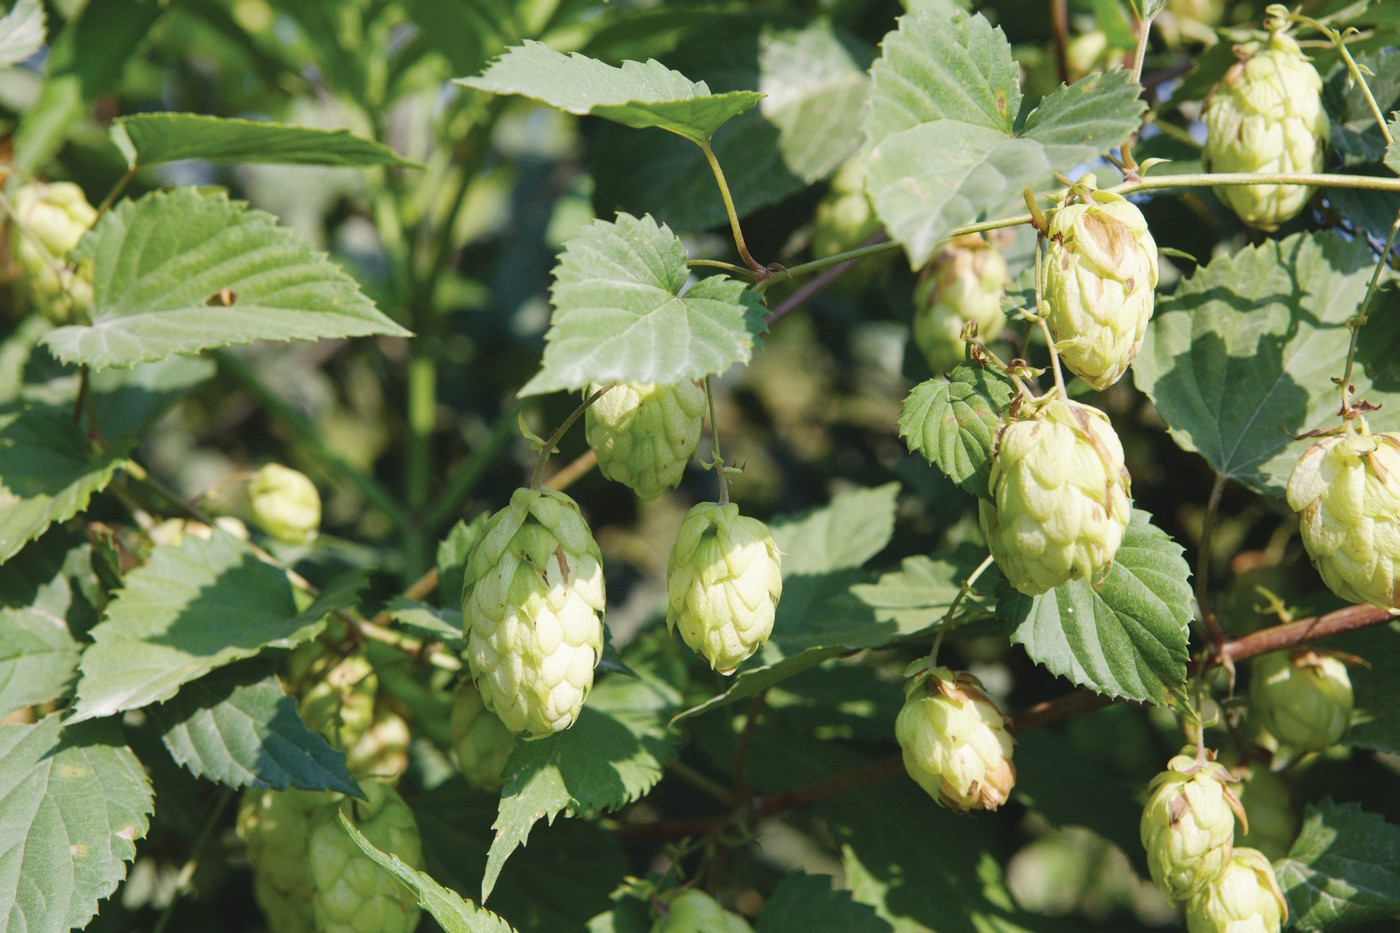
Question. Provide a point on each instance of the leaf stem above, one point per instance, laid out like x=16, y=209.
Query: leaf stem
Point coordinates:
x=946, y=623
x=729, y=207
x=1359, y=321
x=850, y=255
x=549, y=446
x=1353, y=69
x=116, y=192
x=715, y=455
x=726, y=266
x=1217, y=635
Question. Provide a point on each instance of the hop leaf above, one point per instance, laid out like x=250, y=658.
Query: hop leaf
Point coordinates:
x=1302, y=697
x=479, y=740
x=350, y=892
x=963, y=283
x=1244, y=899
x=285, y=504
x=1188, y=825
x=645, y=433
x=276, y=826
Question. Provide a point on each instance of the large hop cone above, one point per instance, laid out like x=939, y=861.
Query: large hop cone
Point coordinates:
x=275, y=825
x=1302, y=697
x=644, y=434
x=350, y=892
x=1244, y=899
x=1060, y=493
x=957, y=744
x=1346, y=491
x=964, y=283
x=1266, y=115
x=1188, y=825
x=57, y=215
x=694, y=911
x=723, y=581
x=479, y=740
x=531, y=608
x=285, y=504
x=1100, y=272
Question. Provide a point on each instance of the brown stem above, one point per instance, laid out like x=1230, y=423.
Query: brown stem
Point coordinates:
x=817, y=285
x=1059, y=22
x=1303, y=631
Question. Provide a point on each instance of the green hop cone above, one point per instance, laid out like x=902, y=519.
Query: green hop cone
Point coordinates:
x=964, y=283
x=957, y=744
x=1266, y=115
x=1100, y=273
x=844, y=218
x=339, y=704
x=1244, y=899
x=694, y=911
x=531, y=607
x=1346, y=491
x=479, y=740
x=275, y=825
x=381, y=751
x=1302, y=697
x=350, y=892
x=57, y=215
x=723, y=581
x=285, y=504
x=1061, y=497
x=644, y=434
x=1273, y=821
x=1188, y=825
x=1189, y=21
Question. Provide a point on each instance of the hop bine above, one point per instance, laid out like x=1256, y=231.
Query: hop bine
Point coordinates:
x=1188, y=825
x=1302, y=697
x=1244, y=899
x=644, y=434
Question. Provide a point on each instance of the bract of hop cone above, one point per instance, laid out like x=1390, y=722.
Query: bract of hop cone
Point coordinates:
x=1303, y=698
x=964, y=283
x=1188, y=825
x=1244, y=899
x=644, y=433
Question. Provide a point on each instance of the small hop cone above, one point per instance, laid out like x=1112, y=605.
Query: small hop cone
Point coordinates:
x=694, y=911
x=339, y=704
x=381, y=751
x=723, y=581
x=350, y=892
x=275, y=825
x=964, y=283
x=644, y=434
x=1061, y=498
x=1266, y=115
x=1100, y=273
x=480, y=742
x=285, y=504
x=531, y=610
x=1303, y=698
x=1244, y=899
x=58, y=215
x=1346, y=491
x=844, y=218
x=957, y=744
x=1188, y=825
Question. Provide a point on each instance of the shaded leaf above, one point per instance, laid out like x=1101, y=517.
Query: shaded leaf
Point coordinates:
x=953, y=422
x=430, y=623
x=155, y=138
x=809, y=903
x=847, y=532
x=1344, y=868
x=1376, y=722
x=44, y=607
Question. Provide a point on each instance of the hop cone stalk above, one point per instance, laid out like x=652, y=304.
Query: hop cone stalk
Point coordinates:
x=1302, y=697
x=1346, y=491
x=957, y=744
x=531, y=608
x=285, y=504
x=964, y=283
x=1188, y=824
x=350, y=892
x=58, y=215
x=479, y=740
x=644, y=434
x=1266, y=116
x=276, y=825
x=1060, y=493
x=694, y=911
x=1244, y=899
x=723, y=581
x=1100, y=272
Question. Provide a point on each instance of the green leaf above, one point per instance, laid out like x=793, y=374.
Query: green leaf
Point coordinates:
x=452, y=555
x=1355, y=132
x=953, y=422
x=917, y=596
x=620, y=315
x=468, y=32
x=42, y=606
x=154, y=138
x=810, y=904
x=160, y=264
x=430, y=623
x=1128, y=637
x=637, y=95
x=21, y=32
x=847, y=532
x=1344, y=868
x=72, y=806
x=449, y=909
x=613, y=755
x=188, y=610
x=238, y=727
x=1376, y=723
x=1078, y=122
x=1245, y=352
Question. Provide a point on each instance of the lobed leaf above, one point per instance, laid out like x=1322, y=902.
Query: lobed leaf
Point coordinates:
x=155, y=138
x=21, y=32
x=1077, y=122
x=809, y=903
x=1344, y=868
x=845, y=533
x=953, y=422
x=46, y=604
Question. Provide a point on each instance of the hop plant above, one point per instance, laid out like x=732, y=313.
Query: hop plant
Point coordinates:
x=1188, y=824
x=957, y=744
x=1302, y=697
x=1060, y=497
x=1100, y=272
x=57, y=215
x=285, y=504
x=350, y=892
x=1266, y=115
x=694, y=911
x=1244, y=899
x=1346, y=491
x=723, y=581
x=275, y=826
x=964, y=283
x=479, y=740
x=531, y=607
x=644, y=434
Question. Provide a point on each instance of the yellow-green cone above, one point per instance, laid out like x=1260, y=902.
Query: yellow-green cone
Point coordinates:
x=350, y=892
x=644, y=433
x=1244, y=899
x=1188, y=825
x=276, y=826
x=480, y=742
x=964, y=283
x=694, y=911
x=57, y=215
x=285, y=504
x=1302, y=697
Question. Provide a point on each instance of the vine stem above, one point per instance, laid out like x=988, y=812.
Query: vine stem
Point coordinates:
x=1361, y=318
x=538, y=479
x=947, y=622
x=729, y=207
x=715, y=455
x=1353, y=69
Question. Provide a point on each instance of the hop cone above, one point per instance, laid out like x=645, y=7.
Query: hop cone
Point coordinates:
x=1060, y=498
x=531, y=609
x=1302, y=697
x=964, y=283
x=1273, y=822
x=723, y=581
x=1188, y=824
x=381, y=751
x=276, y=825
x=58, y=215
x=479, y=740
x=285, y=504
x=844, y=218
x=957, y=745
x=694, y=911
x=645, y=433
x=1266, y=116
x=1100, y=272
x=340, y=703
x=1346, y=491
x=350, y=892
x=1244, y=899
